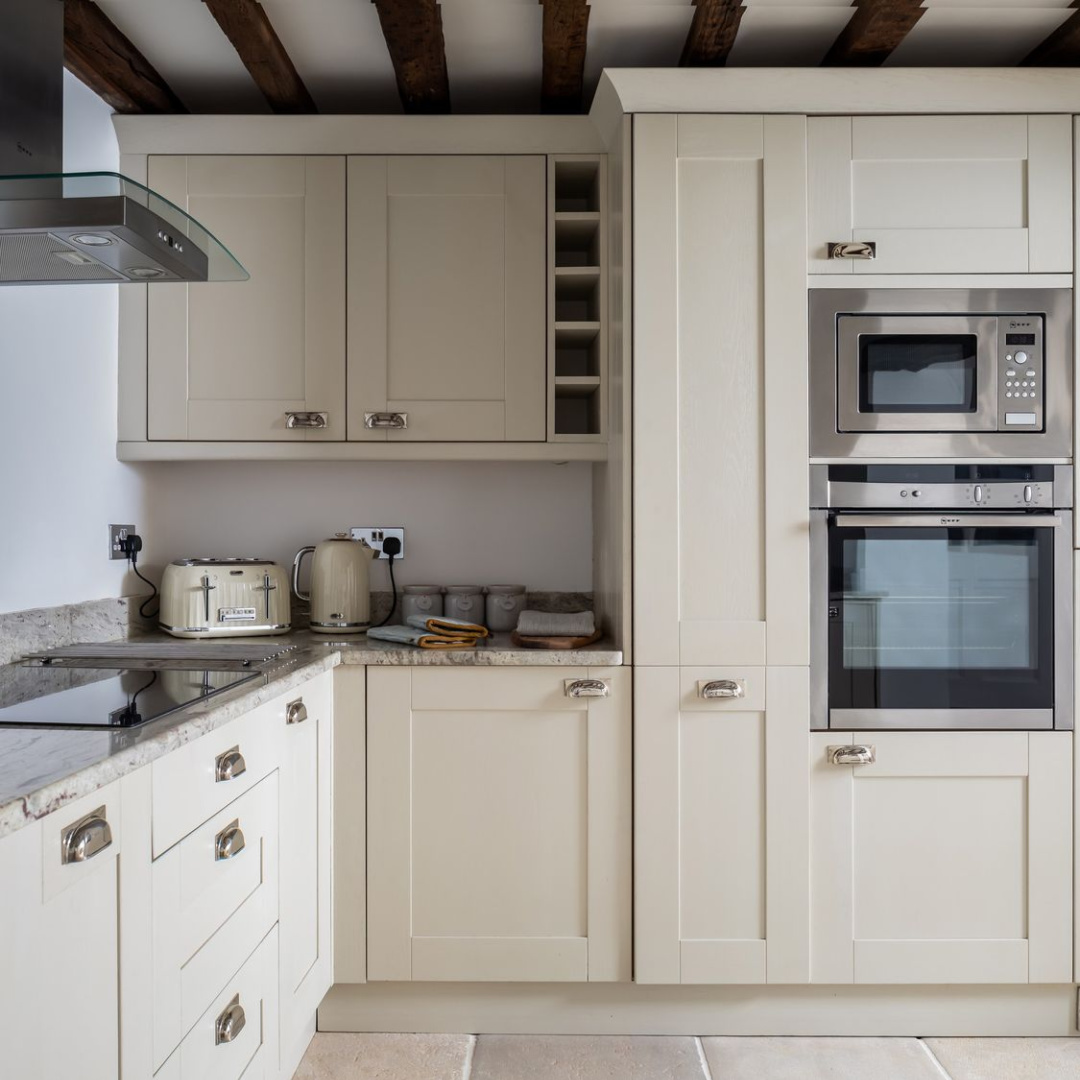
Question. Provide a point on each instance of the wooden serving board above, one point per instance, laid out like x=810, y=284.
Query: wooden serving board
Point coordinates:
x=523, y=642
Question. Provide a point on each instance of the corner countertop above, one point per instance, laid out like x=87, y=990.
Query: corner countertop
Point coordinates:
x=41, y=770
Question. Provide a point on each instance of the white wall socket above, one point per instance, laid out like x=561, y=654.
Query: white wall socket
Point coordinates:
x=375, y=537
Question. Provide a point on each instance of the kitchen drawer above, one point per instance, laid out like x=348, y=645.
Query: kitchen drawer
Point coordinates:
x=209, y=911
x=194, y=782
x=89, y=830
x=252, y=1051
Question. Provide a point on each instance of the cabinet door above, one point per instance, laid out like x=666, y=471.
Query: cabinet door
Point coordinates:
x=59, y=950
x=306, y=940
x=721, y=826
x=229, y=360
x=721, y=520
x=942, y=194
x=947, y=860
x=447, y=292
x=498, y=825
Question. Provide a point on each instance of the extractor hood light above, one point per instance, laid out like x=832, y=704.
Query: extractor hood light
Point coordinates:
x=91, y=240
x=144, y=273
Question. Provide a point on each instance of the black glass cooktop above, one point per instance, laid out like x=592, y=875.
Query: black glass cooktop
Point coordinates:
x=118, y=697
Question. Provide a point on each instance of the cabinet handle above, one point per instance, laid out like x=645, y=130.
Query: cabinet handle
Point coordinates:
x=229, y=766
x=230, y=1023
x=295, y=712
x=313, y=420
x=229, y=842
x=721, y=688
x=587, y=688
x=399, y=421
x=852, y=249
x=852, y=755
x=86, y=838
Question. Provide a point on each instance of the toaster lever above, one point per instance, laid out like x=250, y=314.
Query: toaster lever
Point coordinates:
x=266, y=588
x=207, y=588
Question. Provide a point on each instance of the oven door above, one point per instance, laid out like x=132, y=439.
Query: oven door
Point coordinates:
x=950, y=621
x=919, y=373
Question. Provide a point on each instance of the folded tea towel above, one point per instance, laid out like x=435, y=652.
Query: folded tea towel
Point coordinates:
x=410, y=635
x=556, y=624
x=446, y=626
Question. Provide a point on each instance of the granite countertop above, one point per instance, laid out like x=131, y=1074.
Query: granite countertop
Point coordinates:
x=43, y=769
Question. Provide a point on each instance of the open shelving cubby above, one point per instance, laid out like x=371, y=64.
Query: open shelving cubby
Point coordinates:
x=577, y=298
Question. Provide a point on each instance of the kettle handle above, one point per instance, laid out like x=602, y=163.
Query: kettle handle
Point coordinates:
x=306, y=597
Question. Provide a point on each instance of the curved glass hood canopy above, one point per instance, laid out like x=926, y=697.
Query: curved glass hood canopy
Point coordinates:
x=102, y=227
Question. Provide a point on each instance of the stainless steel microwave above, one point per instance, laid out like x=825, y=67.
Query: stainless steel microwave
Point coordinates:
x=941, y=373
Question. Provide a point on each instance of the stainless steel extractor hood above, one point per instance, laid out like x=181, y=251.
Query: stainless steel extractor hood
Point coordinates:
x=78, y=227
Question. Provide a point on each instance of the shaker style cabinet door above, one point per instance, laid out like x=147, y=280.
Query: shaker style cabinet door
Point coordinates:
x=721, y=518
x=306, y=844
x=447, y=294
x=721, y=848
x=59, y=946
x=498, y=824
x=232, y=360
x=945, y=857
x=941, y=194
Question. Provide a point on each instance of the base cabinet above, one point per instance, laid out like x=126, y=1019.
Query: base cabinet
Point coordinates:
x=948, y=859
x=59, y=954
x=721, y=825
x=498, y=824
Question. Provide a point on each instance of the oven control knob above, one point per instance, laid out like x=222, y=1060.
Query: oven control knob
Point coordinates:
x=916, y=493
x=978, y=493
x=1021, y=357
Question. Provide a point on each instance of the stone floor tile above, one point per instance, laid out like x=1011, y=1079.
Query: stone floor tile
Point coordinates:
x=1008, y=1059
x=818, y=1059
x=340, y=1056
x=585, y=1057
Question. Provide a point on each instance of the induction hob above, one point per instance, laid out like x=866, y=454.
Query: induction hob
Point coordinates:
x=115, y=696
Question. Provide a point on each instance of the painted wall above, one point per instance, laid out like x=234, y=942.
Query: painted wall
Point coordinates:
x=474, y=523
x=59, y=477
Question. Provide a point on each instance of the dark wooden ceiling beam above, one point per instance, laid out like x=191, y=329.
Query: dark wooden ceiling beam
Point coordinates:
x=1061, y=48
x=566, y=26
x=414, y=37
x=246, y=25
x=712, y=33
x=875, y=30
x=102, y=57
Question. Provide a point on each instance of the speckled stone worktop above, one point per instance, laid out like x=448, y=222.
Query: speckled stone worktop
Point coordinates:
x=42, y=769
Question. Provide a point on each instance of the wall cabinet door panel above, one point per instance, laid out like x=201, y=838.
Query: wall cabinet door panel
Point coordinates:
x=498, y=825
x=721, y=525
x=721, y=811
x=228, y=360
x=942, y=194
x=947, y=860
x=447, y=320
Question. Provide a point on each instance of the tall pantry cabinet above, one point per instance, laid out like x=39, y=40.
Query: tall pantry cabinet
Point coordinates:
x=721, y=527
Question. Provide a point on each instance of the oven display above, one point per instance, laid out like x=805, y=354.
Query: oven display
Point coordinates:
x=1019, y=339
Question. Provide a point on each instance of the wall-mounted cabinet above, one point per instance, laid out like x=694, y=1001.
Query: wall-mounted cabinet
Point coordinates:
x=941, y=194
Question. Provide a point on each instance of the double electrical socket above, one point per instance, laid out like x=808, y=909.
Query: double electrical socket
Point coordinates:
x=375, y=537
x=118, y=534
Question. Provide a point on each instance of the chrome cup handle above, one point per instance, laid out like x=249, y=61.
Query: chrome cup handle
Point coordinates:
x=852, y=755
x=721, y=688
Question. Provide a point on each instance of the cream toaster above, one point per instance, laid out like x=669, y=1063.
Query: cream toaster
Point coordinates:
x=203, y=598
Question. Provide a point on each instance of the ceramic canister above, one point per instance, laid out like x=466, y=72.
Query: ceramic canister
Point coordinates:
x=465, y=602
x=504, y=604
x=423, y=600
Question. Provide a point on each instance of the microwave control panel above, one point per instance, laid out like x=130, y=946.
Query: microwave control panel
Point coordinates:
x=1021, y=373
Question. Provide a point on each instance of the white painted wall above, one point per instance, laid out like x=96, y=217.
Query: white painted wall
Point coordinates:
x=474, y=523
x=60, y=480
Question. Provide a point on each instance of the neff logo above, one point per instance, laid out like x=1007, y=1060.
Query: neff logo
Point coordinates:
x=950, y=521
x=24, y=149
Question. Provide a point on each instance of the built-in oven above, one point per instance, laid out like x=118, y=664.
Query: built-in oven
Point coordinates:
x=917, y=373
x=941, y=597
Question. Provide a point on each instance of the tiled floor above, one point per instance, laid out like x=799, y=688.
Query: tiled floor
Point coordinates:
x=558, y=1057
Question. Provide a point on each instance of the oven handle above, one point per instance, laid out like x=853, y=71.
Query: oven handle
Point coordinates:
x=966, y=521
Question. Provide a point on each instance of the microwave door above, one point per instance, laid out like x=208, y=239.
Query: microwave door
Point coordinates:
x=922, y=373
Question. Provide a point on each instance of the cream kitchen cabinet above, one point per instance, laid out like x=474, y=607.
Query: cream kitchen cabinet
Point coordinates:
x=721, y=520
x=721, y=866
x=446, y=298
x=941, y=194
x=306, y=966
x=59, y=949
x=231, y=361
x=945, y=859
x=498, y=824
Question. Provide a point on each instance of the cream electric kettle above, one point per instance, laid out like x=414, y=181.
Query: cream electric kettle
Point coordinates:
x=340, y=595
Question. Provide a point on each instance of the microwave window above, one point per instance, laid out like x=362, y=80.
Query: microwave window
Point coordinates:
x=917, y=373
